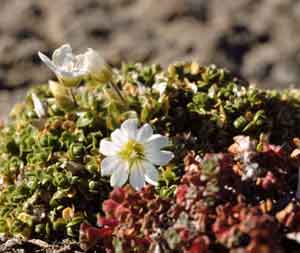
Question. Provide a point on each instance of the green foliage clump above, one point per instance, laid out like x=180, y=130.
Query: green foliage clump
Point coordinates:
x=50, y=178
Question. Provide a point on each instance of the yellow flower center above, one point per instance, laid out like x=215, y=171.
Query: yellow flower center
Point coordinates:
x=132, y=151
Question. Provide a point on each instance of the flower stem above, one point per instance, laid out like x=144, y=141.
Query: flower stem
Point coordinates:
x=73, y=96
x=117, y=91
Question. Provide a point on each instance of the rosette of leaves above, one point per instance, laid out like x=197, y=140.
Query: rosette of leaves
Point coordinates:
x=144, y=222
x=245, y=229
x=50, y=176
x=225, y=106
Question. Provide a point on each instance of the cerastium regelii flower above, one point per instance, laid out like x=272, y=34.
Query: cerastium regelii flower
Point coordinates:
x=69, y=68
x=133, y=153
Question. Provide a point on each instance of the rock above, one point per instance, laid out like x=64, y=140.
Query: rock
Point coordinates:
x=256, y=39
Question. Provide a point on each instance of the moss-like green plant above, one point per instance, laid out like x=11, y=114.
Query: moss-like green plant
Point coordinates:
x=50, y=169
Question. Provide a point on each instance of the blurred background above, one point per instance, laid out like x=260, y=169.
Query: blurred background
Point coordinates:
x=257, y=39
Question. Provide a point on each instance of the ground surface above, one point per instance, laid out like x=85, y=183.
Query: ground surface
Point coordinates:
x=258, y=39
x=34, y=245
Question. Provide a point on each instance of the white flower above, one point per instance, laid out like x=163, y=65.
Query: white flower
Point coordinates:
x=133, y=153
x=71, y=68
x=38, y=106
x=68, y=67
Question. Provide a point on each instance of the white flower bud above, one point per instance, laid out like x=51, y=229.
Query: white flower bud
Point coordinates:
x=61, y=94
x=96, y=66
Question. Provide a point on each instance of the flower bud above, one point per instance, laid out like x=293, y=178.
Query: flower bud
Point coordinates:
x=62, y=95
x=97, y=67
x=69, y=81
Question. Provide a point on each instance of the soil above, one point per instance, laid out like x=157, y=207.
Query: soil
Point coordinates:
x=34, y=246
x=256, y=39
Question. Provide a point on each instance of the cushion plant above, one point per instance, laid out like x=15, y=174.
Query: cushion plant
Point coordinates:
x=144, y=159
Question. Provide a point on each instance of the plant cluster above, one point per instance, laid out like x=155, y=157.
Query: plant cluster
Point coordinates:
x=213, y=209
x=218, y=184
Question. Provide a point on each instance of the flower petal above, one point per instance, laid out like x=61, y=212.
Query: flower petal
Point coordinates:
x=108, y=148
x=159, y=157
x=63, y=56
x=80, y=63
x=118, y=137
x=71, y=76
x=94, y=61
x=144, y=133
x=120, y=175
x=129, y=127
x=151, y=173
x=157, y=142
x=38, y=106
x=109, y=164
x=137, y=178
x=48, y=62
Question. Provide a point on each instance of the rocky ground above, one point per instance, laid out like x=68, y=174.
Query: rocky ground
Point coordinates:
x=17, y=245
x=258, y=39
